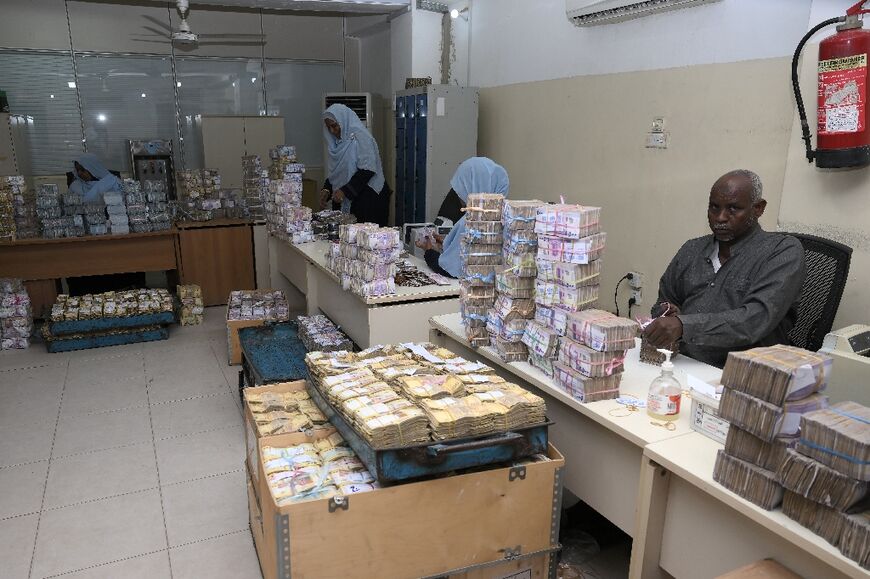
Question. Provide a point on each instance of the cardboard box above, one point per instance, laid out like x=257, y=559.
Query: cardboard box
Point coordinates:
x=252, y=435
x=705, y=417
x=764, y=569
x=419, y=529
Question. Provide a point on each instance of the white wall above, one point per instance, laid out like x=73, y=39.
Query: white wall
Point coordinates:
x=520, y=41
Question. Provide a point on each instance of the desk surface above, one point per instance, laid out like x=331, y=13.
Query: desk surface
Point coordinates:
x=315, y=253
x=635, y=427
x=692, y=457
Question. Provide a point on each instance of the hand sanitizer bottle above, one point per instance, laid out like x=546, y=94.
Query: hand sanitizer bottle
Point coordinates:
x=663, y=401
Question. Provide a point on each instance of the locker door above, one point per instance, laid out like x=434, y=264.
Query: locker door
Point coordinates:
x=421, y=156
x=401, y=152
x=410, y=138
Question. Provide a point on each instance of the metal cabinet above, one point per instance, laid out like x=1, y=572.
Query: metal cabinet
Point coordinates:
x=436, y=129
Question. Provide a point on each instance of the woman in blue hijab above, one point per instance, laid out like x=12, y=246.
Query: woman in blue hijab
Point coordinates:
x=474, y=175
x=355, y=176
x=92, y=179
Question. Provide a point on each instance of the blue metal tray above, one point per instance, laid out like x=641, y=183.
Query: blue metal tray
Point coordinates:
x=404, y=463
x=107, y=324
x=101, y=341
x=271, y=353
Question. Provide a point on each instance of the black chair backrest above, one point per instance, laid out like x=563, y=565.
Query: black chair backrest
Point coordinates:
x=827, y=269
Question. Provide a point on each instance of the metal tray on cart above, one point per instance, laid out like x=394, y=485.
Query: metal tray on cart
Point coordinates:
x=403, y=463
x=271, y=353
x=68, y=327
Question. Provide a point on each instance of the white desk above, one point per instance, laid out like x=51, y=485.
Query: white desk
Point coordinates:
x=603, y=453
x=390, y=319
x=698, y=528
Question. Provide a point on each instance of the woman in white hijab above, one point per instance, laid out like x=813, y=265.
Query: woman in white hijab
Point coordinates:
x=355, y=176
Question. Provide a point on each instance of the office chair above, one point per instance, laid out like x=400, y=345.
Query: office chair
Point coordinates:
x=827, y=269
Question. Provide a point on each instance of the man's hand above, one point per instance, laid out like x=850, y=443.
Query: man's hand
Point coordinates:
x=439, y=238
x=664, y=331
x=338, y=196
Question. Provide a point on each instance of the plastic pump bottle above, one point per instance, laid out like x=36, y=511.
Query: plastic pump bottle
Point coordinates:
x=665, y=392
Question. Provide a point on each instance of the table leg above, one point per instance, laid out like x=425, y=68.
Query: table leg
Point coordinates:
x=652, y=502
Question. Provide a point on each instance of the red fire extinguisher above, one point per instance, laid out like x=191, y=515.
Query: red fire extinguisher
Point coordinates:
x=843, y=131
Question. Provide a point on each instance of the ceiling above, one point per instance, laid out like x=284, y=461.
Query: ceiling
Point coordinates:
x=363, y=6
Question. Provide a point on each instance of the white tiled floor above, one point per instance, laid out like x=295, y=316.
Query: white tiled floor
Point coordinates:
x=124, y=461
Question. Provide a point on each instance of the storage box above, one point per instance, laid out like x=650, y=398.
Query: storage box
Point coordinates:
x=705, y=417
x=234, y=349
x=252, y=435
x=455, y=524
x=764, y=569
x=534, y=567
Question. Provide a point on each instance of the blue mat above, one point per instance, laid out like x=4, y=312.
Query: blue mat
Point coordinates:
x=97, y=341
x=108, y=324
x=274, y=353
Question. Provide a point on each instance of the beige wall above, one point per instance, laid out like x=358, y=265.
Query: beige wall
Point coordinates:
x=583, y=138
x=831, y=204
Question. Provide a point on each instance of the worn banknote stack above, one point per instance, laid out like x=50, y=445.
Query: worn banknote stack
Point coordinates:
x=17, y=209
x=319, y=334
x=191, y=309
x=156, y=205
x=285, y=412
x=514, y=279
x=480, y=254
x=570, y=243
x=323, y=468
x=285, y=215
x=137, y=209
x=255, y=186
x=116, y=207
x=827, y=478
x=16, y=315
x=399, y=395
x=365, y=258
x=111, y=304
x=591, y=354
x=766, y=390
x=198, y=194
x=268, y=305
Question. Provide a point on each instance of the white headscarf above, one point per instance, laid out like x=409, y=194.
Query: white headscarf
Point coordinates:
x=356, y=149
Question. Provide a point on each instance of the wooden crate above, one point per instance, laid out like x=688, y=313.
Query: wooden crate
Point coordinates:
x=430, y=528
x=534, y=567
x=253, y=436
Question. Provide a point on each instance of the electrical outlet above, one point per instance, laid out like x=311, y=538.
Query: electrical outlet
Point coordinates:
x=636, y=281
x=658, y=125
x=637, y=296
x=657, y=140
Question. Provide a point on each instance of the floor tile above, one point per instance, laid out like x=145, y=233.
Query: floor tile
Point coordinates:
x=21, y=489
x=99, y=532
x=78, y=433
x=104, y=370
x=196, y=415
x=35, y=355
x=153, y=566
x=186, y=380
x=230, y=557
x=198, y=455
x=30, y=444
x=16, y=545
x=28, y=396
x=205, y=508
x=86, y=477
x=83, y=398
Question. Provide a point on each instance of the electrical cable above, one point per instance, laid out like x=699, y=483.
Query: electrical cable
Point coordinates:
x=616, y=292
x=802, y=112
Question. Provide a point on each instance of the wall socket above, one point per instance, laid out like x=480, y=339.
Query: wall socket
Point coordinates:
x=636, y=281
x=637, y=296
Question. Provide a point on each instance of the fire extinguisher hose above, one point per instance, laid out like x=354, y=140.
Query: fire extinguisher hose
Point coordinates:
x=802, y=112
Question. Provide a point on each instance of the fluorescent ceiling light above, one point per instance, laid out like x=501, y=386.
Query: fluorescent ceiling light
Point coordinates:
x=71, y=84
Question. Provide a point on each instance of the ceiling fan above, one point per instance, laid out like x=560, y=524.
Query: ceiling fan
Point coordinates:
x=183, y=37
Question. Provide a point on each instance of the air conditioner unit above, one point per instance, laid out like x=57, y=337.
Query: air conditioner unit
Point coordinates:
x=593, y=12
x=358, y=102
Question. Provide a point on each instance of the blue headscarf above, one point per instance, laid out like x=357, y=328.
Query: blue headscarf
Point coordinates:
x=474, y=175
x=356, y=149
x=92, y=191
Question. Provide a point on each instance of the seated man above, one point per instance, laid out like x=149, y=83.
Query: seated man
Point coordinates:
x=735, y=289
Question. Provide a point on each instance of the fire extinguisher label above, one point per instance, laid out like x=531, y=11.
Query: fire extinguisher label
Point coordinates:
x=842, y=94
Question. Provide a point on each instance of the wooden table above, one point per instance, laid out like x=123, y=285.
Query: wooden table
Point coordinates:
x=603, y=449
x=698, y=528
x=36, y=259
x=218, y=256
x=390, y=319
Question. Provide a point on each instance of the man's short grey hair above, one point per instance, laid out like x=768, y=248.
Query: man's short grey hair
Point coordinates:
x=757, y=188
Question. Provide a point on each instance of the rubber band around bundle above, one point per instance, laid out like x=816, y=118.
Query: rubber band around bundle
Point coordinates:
x=833, y=452
x=848, y=415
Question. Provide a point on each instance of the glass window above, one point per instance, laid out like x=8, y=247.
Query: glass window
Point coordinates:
x=215, y=87
x=295, y=91
x=42, y=86
x=125, y=97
